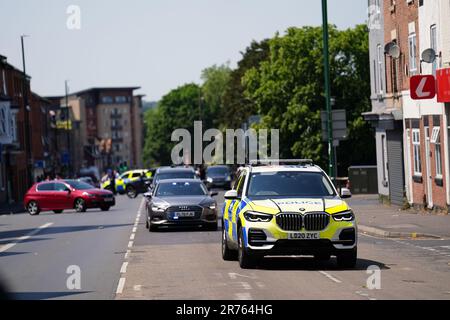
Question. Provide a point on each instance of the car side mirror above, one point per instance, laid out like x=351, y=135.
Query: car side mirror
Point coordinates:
x=231, y=195
x=345, y=193
x=213, y=193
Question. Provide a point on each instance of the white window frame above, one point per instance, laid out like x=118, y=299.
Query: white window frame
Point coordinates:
x=380, y=69
x=433, y=45
x=436, y=139
x=412, y=53
x=416, y=152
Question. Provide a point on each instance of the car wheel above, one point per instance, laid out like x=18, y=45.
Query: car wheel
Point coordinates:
x=152, y=228
x=80, y=205
x=347, y=259
x=227, y=253
x=33, y=208
x=131, y=192
x=246, y=259
x=212, y=226
x=58, y=211
x=105, y=208
x=146, y=224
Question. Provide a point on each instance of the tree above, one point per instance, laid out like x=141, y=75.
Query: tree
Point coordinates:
x=287, y=91
x=215, y=82
x=176, y=110
x=236, y=108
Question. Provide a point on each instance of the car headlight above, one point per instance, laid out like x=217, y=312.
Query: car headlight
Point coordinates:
x=212, y=206
x=156, y=208
x=228, y=178
x=257, y=216
x=344, y=216
x=87, y=194
x=210, y=180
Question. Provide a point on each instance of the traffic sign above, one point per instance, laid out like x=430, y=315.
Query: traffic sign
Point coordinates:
x=339, y=119
x=443, y=84
x=423, y=87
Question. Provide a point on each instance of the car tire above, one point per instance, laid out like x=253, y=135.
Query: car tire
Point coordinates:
x=33, y=208
x=227, y=253
x=131, y=192
x=246, y=259
x=347, y=259
x=212, y=226
x=152, y=228
x=146, y=224
x=80, y=205
x=105, y=208
x=58, y=211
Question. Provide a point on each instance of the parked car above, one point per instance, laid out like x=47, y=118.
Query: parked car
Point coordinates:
x=181, y=202
x=166, y=173
x=218, y=176
x=61, y=195
x=131, y=182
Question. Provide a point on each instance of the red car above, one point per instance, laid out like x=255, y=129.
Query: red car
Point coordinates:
x=59, y=195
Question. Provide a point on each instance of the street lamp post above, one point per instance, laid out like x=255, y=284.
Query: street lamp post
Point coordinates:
x=326, y=59
x=27, y=111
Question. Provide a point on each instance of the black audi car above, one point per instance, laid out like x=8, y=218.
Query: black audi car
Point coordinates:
x=181, y=202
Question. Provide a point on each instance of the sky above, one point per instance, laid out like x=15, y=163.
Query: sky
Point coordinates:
x=157, y=45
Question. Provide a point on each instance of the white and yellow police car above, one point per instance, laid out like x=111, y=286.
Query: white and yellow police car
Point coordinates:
x=291, y=208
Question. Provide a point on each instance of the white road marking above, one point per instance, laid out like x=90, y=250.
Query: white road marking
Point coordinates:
x=127, y=254
x=123, y=269
x=329, y=276
x=130, y=244
x=29, y=235
x=137, y=287
x=445, y=247
x=132, y=236
x=120, y=286
x=134, y=230
x=234, y=275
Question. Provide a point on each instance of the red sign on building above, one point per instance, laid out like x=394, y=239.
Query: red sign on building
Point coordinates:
x=443, y=84
x=423, y=87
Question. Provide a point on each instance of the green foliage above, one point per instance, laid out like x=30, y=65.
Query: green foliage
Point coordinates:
x=178, y=109
x=287, y=90
x=215, y=82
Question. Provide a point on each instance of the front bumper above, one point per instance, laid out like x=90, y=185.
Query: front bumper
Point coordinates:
x=166, y=219
x=269, y=239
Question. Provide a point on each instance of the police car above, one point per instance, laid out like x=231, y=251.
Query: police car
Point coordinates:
x=131, y=182
x=291, y=208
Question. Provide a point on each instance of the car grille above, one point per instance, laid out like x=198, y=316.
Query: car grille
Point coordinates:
x=310, y=222
x=290, y=221
x=107, y=196
x=197, y=209
x=316, y=221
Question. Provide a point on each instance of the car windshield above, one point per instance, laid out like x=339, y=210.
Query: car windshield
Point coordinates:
x=289, y=184
x=174, y=189
x=175, y=175
x=218, y=171
x=79, y=185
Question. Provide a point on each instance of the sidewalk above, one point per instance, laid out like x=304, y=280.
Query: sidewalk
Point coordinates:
x=11, y=208
x=377, y=219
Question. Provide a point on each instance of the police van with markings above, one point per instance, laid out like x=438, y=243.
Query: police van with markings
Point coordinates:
x=287, y=207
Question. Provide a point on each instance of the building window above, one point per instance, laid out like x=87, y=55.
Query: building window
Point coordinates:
x=412, y=41
x=384, y=157
x=107, y=99
x=433, y=45
x=3, y=130
x=416, y=149
x=436, y=139
x=380, y=68
x=5, y=92
x=121, y=99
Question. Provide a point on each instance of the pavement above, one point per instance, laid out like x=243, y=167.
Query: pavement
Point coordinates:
x=382, y=220
x=113, y=256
